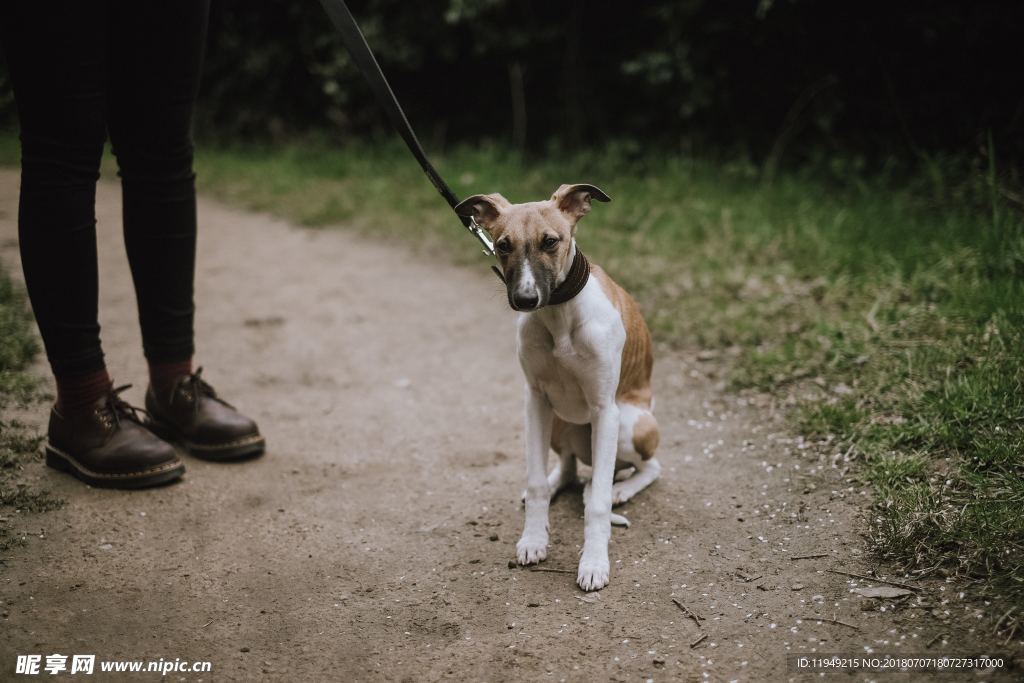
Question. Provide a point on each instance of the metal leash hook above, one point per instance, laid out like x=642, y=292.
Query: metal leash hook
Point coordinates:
x=484, y=238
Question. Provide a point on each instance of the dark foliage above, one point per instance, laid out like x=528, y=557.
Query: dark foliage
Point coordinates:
x=776, y=80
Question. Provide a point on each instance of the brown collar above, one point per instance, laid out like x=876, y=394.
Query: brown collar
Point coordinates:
x=575, y=281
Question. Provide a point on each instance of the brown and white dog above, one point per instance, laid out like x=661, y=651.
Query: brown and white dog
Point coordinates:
x=587, y=359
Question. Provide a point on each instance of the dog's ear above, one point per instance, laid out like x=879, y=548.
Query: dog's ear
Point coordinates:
x=574, y=200
x=485, y=208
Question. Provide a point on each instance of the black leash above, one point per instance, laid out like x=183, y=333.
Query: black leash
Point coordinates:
x=357, y=46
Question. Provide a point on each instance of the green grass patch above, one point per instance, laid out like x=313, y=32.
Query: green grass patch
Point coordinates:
x=17, y=343
x=889, y=307
x=19, y=444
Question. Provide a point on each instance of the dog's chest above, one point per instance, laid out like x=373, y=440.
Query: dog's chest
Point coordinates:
x=571, y=359
x=557, y=371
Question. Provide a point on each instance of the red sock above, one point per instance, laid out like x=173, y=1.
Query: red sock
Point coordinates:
x=77, y=394
x=162, y=376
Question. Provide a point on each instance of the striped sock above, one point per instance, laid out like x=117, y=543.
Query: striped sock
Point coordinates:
x=78, y=394
x=162, y=376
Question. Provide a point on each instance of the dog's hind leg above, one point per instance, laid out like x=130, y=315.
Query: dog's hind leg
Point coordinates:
x=638, y=439
x=647, y=472
x=571, y=442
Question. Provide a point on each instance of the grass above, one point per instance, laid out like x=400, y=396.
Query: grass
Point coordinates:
x=19, y=444
x=887, y=310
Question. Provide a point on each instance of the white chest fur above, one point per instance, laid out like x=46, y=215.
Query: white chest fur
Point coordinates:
x=572, y=352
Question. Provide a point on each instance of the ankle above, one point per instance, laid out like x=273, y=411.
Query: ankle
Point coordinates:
x=163, y=376
x=77, y=394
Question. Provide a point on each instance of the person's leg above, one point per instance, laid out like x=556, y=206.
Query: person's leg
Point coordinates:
x=57, y=61
x=57, y=56
x=156, y=55
x=156, y=52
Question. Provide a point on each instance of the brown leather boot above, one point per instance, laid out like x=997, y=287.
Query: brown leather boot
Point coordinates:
x=207, y=426
x=109, y=446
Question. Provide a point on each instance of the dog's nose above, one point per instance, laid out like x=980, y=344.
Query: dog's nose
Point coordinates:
x=525, y=302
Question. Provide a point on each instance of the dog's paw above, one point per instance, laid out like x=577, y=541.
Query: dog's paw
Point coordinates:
x=531, y=550
x=593, y=573
x=622, y=491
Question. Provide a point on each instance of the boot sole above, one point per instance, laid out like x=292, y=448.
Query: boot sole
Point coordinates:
x=163, y=474
x=246, y=448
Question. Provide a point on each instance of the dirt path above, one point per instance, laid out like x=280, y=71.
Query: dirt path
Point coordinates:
x=372, y=542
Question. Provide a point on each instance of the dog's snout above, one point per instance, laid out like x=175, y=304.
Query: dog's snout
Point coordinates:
x=525, y=301
x=524, y=294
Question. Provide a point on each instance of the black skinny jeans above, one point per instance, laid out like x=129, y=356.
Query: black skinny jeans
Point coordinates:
x=82, y=69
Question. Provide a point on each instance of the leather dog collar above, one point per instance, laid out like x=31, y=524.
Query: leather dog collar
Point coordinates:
x=575, y=281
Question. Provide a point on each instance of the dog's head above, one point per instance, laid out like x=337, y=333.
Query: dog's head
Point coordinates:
x=532, y=241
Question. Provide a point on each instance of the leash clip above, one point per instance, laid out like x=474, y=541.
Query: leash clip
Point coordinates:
x=479, y=233
x=485, y=240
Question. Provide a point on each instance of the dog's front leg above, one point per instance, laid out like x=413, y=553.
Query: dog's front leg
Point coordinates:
x=597, y=528
x=533, y=546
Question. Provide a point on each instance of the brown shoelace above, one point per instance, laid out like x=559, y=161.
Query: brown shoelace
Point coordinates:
x=115, y=407
x=194, y=384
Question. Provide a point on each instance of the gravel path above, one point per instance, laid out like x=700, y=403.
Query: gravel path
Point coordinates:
x=373, y=540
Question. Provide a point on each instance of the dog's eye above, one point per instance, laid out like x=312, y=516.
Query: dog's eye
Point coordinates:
x=549, y=243
x=504, y=247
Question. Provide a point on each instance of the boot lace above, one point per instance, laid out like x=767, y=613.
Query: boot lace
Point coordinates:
x=116, y=408
x=195, y=387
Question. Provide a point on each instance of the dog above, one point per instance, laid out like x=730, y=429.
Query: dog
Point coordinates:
x=586, y=353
